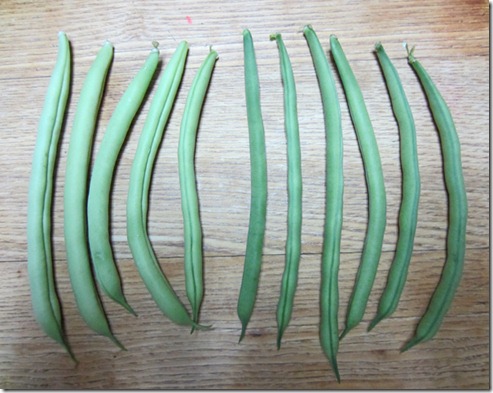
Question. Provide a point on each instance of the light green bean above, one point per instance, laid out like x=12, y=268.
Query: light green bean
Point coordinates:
x=334, y=190
x=408, y=213
x=372, y=248
x=293, y=241
x=45, y=302
x=258, y=186
x=101, y=180
x=457, y=210
x=75, y=195
x=189, y=198
x=138, y=191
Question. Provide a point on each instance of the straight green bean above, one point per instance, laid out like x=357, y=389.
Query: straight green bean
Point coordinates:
x=101, y=181
x=457, y=210
x=138, y=191
x=372, y=248
x=293, y=241
x=258, y=187
x=189, y=198
x=75, y=195
x=408, y=212
x=44, y=297
x=334, y=190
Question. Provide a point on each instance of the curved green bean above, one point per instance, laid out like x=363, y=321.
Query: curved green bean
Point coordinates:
x=334, y=190
x=44, y=297
x=372, y=248
x=101, y=180
x=189, y=199
x=258, y=186
x=408, y=212
x=293, y=241
x=75, y=195
x=138, y=191
x=457, y=210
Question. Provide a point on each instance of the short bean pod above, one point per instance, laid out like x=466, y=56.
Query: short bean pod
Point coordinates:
x=258, y=186
x=189, y=198
x=75, y=195
x=46, y=305
x=101, y=180
x=457, y=210
x=372, y=248
x=293, y=241
x=138, y=192
x=334, y=190
x=408, y=213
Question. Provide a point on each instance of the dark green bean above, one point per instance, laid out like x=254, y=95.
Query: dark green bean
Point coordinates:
x=457, y=210
x=258, y=186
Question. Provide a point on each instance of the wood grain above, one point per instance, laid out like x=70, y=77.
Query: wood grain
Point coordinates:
x=451, y=39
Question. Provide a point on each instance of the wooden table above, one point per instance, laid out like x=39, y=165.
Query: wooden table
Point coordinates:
x=451, y=39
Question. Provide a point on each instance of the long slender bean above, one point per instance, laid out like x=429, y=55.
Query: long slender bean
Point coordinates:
x=138, y=191
x=101, y=180
x=457, y=210
x=75, y=196
x=293, y=241
x=46, y=305
x=189, y=198
x=408, y=212
x=258, y=186
x=372, y=248
x=334, y=190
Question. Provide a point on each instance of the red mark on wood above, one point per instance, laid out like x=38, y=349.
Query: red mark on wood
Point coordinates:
x=189, y=20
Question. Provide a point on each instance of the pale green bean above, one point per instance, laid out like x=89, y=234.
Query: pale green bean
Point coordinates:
x=457, y=210
x=101, y=180
x=258, y=186
x=75, y=195
x=45, y=302
x=189, y=198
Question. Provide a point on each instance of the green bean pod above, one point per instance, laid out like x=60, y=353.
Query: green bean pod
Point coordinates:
x=408, y=212
x=258, y=186
x=457, y=210
x=75, y=195
x=293, y=240
x=44, y=297
x=138, y=191
x=101, y=181
x=189, y=198
x=372, y=247
x=334, y=190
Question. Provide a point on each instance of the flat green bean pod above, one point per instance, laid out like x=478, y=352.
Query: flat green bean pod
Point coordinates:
x=334, y=190
x=101, y=180
x=408, y=212
x=457, y=210
x=189, y=198
x=75, y=195
x=138, y=191
x=44, y=297
x=372, y=248
x=258, y=186
x=293, y=240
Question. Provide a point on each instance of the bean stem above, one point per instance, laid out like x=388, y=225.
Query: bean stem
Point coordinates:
x=457, y=210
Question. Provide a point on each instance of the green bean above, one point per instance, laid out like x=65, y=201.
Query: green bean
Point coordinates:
x=44, y=297
x=334, y=190
x=138, y=192
x=258, y=186
x=101, y=180
x=189, y=199
x=75, y=195
x=372, y=248
x=408, y=212
x=457, y=210
x=293, y=241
